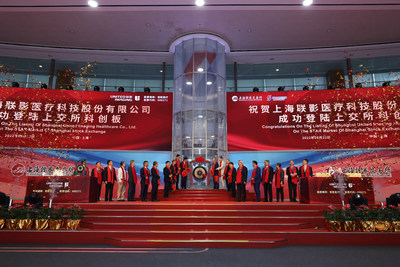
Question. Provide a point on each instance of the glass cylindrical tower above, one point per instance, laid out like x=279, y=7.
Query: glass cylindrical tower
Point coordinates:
x=199, y=116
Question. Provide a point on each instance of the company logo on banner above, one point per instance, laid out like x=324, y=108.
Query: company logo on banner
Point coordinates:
x=276, y=98
x=18, y=170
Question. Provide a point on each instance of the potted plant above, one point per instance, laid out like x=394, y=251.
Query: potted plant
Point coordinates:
x=12, y=217
x=383, y=219
x=349, y=220
x=26, y=218
x=395, y=218
x=42, y=219
x=3, y=212
x=56, y=218
x=334, y=218
x=367, y=217
x=74, y=216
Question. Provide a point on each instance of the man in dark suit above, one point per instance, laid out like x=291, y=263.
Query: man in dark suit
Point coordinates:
x=132, y=180
x=227, y=169
x=292, y=173
x=305, y=170
x=97, y=174
x=241, y=180
x=167, y=179
x=214, y=173
x=231, y=178
x=109, y=176
x=155, y=181
x=185, y=171
x=145, y=180
x=279, y=179
x=256, y=180
x=267, y=177
x=174, y=169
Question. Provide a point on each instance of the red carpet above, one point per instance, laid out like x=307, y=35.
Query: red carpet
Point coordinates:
x=202, y=218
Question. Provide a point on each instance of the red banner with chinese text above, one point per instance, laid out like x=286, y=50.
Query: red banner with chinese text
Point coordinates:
x=323, y=119
x=41, y=118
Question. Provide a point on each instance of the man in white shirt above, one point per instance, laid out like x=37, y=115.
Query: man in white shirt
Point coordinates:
x=221, y=169
x=122, y=178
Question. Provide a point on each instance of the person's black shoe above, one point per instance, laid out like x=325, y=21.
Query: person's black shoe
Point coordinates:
x=238, y=201
x=266, y=200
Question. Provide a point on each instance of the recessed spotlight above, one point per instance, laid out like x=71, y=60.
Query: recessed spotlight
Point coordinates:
x=307, y=2
x=209, y=83
x=200, y=69
x=277, y=70
x=161, y=70
x=189, y=83
x=200, y=2
x=361, y=65
x=93, y=3
x=40, y=66
x=201, y=116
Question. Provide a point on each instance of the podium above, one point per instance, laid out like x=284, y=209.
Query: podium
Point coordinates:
x=323, y=188
x=64, y=189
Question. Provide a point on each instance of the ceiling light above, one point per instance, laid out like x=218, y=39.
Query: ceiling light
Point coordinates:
x=209, y=83
x=277, y=70
x=361, y=65
x=201, y=116
x=93, y=3
x=200, y=2
x=148, y=24
x=307, y=2
x=189, y=83
x=161, y=70
x=40, y=66
x=200, y=69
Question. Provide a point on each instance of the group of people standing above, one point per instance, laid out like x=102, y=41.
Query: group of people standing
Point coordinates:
x=126, y=178
x=224, y=173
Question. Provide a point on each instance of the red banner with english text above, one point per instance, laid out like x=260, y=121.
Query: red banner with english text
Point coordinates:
x=42, y=118
x=324, y=119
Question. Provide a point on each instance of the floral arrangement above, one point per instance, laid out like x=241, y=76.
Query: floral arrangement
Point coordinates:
x=379, y=219
x=21, y=217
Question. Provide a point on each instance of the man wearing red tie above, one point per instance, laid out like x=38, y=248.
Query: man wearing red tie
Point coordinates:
x=109, y=177
x=155, y=181
x=292, y=173
x=305, y=170
x=122, y=177
x=267, y=177
x=97, y=174
x=145, y=180
x=178, y=164
x=241, y=180
x=279, y=178
x=184, y=170
x=132, y=181
x=167, y=179
x=174, y=170
x=231, y=178
x=214, y=173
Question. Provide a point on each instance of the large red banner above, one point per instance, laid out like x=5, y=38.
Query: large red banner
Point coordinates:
x=41, y=118
x=323, y=119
